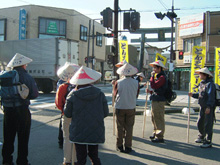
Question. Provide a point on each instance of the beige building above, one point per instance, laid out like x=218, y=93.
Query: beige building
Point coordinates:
x=202, y=29
x=46, y=22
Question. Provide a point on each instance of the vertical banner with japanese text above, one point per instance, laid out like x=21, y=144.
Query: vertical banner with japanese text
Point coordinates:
x=217, y=66
x=161, y=58
x=198, y=62
x=123, y=48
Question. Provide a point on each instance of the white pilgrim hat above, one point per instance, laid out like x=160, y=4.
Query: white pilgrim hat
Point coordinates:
x=85, y=76
x=158, y=63
x=141, y=74
x=67, y=71
x=204, y=70
x=121, y=63
x=19, y=60
x=127, y=70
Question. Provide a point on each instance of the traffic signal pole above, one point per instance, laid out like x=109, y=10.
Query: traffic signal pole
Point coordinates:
x=171, y=49
x=115, y=57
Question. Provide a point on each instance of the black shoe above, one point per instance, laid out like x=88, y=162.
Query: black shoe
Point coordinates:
x=206, y=144
x=152, y=137
x=120, y=149
x=127, y=150
x=156, y=140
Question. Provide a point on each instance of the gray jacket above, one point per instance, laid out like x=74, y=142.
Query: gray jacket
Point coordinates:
x=88, y=107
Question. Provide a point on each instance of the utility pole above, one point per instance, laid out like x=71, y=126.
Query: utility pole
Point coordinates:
x=93, y=38
x=87, y=64
x=171, y=49
x=115, y=57
x=141, y=53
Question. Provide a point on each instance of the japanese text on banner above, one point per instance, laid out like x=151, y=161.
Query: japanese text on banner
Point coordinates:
x=217, y=66
x=198, y=62
x=161, y=58
x=123, y=48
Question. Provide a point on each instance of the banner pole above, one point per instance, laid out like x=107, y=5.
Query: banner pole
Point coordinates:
x=188, y=125
x=145, y=114
x=113, y=108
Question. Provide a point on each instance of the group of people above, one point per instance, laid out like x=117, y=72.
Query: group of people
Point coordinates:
x=84, y=107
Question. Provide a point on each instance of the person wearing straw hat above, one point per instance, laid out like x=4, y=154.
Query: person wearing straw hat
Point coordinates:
x=159, y=85
x=65, y=73
x=87, y=106
x=17, y=116
x=125, y=92
x=140, y=76
x=206, y=100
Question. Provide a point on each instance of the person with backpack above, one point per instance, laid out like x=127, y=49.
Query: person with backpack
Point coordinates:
x=87, y=106
x=158, y=84
x=17, y=116
x=206, y=99
x=65, y=73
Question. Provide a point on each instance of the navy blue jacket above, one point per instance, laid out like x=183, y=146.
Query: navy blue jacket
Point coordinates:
x=206, y=94
x=88, y=107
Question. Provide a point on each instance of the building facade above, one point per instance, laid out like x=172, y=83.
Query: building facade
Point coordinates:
x=47, y=22
x=202, y=29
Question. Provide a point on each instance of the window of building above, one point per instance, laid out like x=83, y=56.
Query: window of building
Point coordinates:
x=49, y=28
x=83, y=33
x=2, y=29
x=98, y=39
x=189, y=43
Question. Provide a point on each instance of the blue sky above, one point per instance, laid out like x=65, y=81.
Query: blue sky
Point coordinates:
x=147, y=8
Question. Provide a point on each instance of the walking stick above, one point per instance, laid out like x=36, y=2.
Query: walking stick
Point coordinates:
x=113, y=108
x=188, y=125
x=145, y=113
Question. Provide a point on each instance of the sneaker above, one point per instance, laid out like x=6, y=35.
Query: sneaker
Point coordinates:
x=120, y=149
x=199, y=140
x=152, y=137
x=206, y=144
x=127, y=150
x=156, y=140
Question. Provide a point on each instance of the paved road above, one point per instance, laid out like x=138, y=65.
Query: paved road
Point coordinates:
x=43, y=146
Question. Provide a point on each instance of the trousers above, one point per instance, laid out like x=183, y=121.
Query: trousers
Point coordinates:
x=125, y=119
x=157, y=118
x=17, y=120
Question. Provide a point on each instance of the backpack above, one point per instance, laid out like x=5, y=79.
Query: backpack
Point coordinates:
x=169, y=94
x=217, y=96
x=9, y=81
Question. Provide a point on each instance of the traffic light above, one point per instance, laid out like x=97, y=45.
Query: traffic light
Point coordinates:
x=107, y=17
x=109, y=35
x=181, y=55
x=110, y=59
x=127, y=21
x=86, y=59
x=135, y=20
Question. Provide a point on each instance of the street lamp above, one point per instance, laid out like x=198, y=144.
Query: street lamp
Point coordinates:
x=171, y=15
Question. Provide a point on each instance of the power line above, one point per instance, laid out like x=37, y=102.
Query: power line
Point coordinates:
x=163, y=4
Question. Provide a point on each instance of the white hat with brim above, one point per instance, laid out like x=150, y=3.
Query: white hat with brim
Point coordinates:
x=121, y=63
x=19, y=60
x=85, y=76
x=158, y=63
x=141, y=75
x=127, y=70
x=204, y=70
x=67, y=71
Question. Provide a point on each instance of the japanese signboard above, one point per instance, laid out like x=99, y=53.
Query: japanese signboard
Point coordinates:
x=198, y=62
x=217, y=66
x=123, y=48
x=22, y=24
x=161, y=58
x=191, y=24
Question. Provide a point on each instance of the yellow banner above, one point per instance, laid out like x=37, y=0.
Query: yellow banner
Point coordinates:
x=161, y=58
x=198, y=62
x=123, y=48
x=217, y=66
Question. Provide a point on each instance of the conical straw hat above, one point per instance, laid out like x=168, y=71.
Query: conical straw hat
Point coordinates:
x=127, y=70
x=204, y=70
x=141, y=74
x=121, y=63
x=67, y=71
x=85, y=76
x=19, y=60
x=158, y=63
